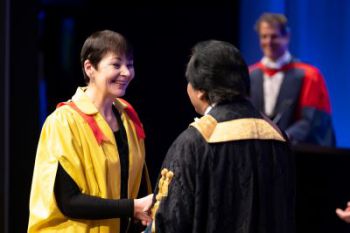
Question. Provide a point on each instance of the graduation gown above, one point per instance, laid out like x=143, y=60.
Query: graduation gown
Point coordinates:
x=302, y=107
x=77, y=136
x=230, y=171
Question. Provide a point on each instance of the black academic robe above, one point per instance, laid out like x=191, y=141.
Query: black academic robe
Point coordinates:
x=229, y=172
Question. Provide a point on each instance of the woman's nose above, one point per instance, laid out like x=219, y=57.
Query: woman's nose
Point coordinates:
x=125, y=71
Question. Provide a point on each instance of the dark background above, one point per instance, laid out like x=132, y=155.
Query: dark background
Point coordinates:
x=43, y=43
x=162, y=36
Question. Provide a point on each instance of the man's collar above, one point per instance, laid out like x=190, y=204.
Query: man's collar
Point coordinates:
x=207, y=110
x=284, y=59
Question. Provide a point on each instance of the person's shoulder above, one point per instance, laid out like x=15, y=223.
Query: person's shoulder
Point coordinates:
x=62, y=114
x=306, y=66
x=311, y=74
x=255, y=67
x=188, y=141
x=123, y=103
x=189, y=135
x=184, y=149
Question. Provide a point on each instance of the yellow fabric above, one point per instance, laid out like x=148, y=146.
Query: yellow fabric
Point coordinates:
x=66, y=138
x=239, y=129
x=148, y=180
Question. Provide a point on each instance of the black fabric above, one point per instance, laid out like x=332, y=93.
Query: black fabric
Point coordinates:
x=245, y=186
x=126, y=224
x=143, y=191
x=123, y=151
x=73, y=204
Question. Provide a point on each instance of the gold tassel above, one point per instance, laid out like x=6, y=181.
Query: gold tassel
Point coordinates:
x=163, y=187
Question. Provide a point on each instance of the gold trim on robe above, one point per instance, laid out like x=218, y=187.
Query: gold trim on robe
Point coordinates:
x=233, y=130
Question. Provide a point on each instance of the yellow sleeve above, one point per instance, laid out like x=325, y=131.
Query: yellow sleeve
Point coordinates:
x=57, y=143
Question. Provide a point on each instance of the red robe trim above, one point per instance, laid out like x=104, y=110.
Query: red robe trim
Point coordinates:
x=134, y=117
x=100, y=137
x=313, y=92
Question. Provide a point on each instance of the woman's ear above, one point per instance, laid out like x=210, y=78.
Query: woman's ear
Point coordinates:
x=88, y=68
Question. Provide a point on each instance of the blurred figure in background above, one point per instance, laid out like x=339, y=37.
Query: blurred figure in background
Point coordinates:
x=292, y=93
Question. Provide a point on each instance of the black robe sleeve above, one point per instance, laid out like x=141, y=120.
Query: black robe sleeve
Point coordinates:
x=176, y=211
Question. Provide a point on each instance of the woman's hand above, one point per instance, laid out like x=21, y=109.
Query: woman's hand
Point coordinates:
x=141, y=209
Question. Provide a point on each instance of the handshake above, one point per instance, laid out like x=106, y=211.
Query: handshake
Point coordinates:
x=142, y=209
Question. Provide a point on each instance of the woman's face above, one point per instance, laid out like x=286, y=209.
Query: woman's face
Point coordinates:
x=113, y=74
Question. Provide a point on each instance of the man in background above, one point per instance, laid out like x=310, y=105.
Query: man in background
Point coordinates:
x=291, y=93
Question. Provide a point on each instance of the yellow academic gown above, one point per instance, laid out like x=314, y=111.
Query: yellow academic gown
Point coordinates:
x=68, y=139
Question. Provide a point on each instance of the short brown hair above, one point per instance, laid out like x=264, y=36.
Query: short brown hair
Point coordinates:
x=99, y=44
x=274, y=19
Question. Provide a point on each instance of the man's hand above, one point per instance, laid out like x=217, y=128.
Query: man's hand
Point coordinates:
x=344, y=214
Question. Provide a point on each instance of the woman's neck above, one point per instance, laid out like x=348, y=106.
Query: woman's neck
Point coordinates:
x=101, y=102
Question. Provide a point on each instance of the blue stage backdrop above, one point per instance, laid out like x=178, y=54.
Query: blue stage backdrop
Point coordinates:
x=320, y=35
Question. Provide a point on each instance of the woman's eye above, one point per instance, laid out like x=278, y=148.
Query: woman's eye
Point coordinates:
x=130, y=66
x=117, y=65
